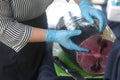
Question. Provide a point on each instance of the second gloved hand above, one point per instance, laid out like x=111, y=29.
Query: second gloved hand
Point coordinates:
x=63, y=37
x=90, y=13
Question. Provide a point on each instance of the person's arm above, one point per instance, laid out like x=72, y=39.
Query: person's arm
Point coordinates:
x=17, y=35
x=60, y=36
x=37, y=35
x=13, y=34
x=77, y=1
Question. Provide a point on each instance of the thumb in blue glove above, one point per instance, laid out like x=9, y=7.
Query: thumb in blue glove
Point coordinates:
x=90, y=13
x=63, y=37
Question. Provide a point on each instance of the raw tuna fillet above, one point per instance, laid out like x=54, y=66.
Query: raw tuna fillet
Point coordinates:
x=94, y=62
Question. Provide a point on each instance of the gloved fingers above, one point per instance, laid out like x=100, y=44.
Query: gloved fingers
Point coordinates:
x=75, y=47
x=101, y=17
x=72, y=33
x=88, y=17
x=102, y=25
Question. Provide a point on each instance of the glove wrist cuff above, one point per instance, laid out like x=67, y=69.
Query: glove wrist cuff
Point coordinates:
x=50, y=35
x=85, y=3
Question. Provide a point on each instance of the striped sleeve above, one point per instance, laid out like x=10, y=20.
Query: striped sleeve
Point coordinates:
x=13, y=34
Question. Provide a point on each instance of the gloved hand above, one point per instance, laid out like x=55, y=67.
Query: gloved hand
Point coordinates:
x=63, y=37
x=90, y=13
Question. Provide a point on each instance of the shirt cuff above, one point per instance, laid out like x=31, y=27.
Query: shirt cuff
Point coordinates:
x=16, y=35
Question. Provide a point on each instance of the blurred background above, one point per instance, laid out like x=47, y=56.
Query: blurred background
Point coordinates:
x=111, y=9
x=60, y=8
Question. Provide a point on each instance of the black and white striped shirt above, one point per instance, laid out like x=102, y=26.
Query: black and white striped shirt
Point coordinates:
x=12, y=33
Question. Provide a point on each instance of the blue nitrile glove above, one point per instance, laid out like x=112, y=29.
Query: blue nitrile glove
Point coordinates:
x=63, y=37
x=90, y=13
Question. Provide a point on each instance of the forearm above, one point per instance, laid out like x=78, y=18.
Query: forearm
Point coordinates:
x=78, y=1
x=37, y=35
